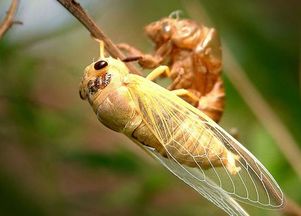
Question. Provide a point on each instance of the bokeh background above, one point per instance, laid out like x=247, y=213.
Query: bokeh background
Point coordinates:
x=56, y=159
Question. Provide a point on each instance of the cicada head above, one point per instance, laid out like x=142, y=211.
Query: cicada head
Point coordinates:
x=161, y=31
x=182, y=32
x=102, y=77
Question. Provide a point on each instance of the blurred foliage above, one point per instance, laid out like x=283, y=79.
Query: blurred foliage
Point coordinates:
x=56, y=159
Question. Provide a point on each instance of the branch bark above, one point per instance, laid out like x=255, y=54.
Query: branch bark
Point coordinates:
x=79, y=13
x=9, y=18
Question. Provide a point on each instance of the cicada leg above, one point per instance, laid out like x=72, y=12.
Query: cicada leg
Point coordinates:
x=158, y=72
x=185, y=93
x=145, y=60
x=129, y=49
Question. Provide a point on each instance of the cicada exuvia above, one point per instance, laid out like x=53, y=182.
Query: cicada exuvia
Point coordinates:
x=180, y=136
x=193, y=53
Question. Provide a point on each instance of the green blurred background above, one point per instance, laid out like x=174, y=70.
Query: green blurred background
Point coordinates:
x=56, y=159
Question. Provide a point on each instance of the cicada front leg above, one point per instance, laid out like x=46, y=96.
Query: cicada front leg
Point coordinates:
x=183, y=93
x=129, y=49
x=145, y=60
x=162, y=69
x=186, y=94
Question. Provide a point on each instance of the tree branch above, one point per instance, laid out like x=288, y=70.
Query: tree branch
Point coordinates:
x=78, y=12
x=9, y=18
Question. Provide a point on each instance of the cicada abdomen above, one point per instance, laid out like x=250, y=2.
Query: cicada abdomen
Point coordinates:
x=193, y=54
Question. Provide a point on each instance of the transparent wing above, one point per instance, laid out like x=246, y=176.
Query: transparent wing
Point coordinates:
x=188, y=137
x=192, y=177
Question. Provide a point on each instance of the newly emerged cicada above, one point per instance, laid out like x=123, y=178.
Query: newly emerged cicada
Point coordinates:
x=180, y=136
x=193, y=53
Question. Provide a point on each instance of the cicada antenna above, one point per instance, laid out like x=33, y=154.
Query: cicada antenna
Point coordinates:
x=101, y=48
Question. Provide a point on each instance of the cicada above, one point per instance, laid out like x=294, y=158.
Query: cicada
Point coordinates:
x=181, y=137
x=193, y=53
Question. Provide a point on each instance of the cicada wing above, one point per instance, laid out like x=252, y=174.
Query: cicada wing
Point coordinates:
x=196, y=179
x=190, y=137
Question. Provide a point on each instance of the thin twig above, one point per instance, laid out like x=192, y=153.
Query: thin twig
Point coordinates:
x=79, y=13
x=9, y=18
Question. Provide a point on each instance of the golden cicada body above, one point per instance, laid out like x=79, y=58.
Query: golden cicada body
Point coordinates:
x=180, y=136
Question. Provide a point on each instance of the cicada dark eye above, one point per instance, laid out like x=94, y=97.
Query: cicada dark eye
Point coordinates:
x=100, y=65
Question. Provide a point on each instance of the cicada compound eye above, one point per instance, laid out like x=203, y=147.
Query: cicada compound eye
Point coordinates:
x=100, y=65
